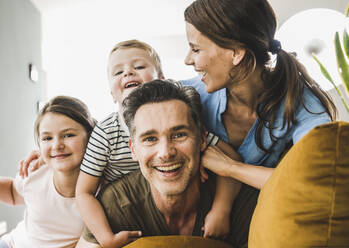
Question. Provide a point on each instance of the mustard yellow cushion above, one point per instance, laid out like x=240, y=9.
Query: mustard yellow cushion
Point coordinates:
x=305, y=203
x=177, y=242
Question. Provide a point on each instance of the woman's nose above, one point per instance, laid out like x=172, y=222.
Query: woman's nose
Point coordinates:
x=188, y=60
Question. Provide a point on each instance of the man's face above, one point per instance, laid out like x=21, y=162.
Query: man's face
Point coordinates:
x=167, y=145
x=128, y=68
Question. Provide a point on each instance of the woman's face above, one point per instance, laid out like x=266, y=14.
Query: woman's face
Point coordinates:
x=62, y=142
x=211, y=61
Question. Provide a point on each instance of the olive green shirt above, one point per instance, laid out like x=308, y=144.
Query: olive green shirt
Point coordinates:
x=129, y=206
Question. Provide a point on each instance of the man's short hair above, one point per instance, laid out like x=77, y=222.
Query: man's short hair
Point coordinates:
x=160, y=91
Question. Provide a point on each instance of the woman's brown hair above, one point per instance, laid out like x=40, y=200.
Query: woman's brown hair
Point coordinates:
x=251, y=24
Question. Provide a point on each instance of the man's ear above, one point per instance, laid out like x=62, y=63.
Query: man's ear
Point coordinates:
x=238, y=55
x=133, y=152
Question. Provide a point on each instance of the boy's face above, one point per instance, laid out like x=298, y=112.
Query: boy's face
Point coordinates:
x=128, y=68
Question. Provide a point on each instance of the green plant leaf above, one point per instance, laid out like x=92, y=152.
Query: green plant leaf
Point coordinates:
x=346, y=42
x=343, y=66
x=329, y=78
x=323, y=70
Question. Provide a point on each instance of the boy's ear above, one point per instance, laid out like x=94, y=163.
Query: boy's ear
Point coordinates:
x=133, y=152
x=114, y=99
x=238, y=55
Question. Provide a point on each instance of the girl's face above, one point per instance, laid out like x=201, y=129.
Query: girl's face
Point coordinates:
x=62, y=142
x=211, y=61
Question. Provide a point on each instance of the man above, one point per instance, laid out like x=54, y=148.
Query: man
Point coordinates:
x=167, y=197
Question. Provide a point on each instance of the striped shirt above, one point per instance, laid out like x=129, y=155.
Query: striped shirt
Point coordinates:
x=108, y=154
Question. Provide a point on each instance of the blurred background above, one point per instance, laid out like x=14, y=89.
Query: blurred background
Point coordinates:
x=55, y=47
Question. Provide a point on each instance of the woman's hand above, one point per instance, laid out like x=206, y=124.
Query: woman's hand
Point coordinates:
x=217, y=161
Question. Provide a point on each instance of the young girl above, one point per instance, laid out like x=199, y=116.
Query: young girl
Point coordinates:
x=51, y=218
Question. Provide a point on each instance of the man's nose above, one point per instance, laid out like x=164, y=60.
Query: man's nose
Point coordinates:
x=166, y=149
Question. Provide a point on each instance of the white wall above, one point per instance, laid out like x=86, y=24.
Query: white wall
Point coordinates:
x=20, y=39
x=78, y=35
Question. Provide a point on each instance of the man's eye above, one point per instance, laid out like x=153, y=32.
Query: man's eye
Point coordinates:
x=149, y=139
x=179, y=135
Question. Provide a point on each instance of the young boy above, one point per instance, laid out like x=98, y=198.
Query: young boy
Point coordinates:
x=108, y=156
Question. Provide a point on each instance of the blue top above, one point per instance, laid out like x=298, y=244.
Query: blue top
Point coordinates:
x=214, y=105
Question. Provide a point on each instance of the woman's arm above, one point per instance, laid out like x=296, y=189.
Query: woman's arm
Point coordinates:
x=218, y=162
x=8, y=193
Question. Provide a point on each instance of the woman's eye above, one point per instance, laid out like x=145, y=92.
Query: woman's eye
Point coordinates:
x=195, y=50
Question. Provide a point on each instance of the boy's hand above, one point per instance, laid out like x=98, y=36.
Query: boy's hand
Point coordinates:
x=33, y=161
x=216, y=225
x=124, y=237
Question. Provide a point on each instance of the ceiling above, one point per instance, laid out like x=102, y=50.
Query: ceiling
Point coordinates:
x=283, y=8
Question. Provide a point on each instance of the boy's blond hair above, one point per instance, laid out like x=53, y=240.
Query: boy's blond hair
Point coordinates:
x=144, y=46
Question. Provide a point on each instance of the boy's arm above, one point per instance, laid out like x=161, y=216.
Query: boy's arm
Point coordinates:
x=217, y=220
x=8, y=193
x=91, y=210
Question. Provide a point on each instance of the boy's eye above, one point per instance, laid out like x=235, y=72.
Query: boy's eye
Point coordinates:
x=46, y=138
x=141, y=67
x=117, y=73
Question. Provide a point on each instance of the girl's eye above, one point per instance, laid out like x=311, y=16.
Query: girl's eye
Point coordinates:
x=68, y=135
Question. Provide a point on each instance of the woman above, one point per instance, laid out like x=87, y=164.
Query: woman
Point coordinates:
x=258, y=107
x=51, y=217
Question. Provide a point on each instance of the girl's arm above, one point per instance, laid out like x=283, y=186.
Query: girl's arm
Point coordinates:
x=93, y=214
x=217, y=221
x=8, y=193
x=218, y=162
